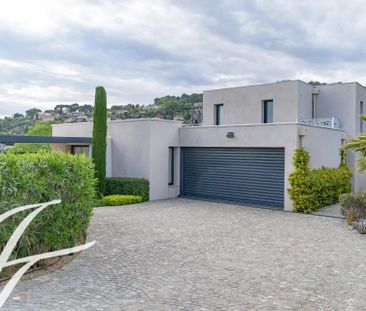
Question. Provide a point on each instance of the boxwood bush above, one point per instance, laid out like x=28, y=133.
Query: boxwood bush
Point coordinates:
x=312, y=189
x=35, y=178
x=127, y=186
x=120, y=199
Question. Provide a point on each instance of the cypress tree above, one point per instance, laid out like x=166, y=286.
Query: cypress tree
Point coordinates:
x=100, y=137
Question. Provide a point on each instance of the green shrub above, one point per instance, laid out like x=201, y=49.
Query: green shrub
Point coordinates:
x=128, y=186
x=119, y=199
x=42, y=177
x=313, y=189
x=353, y=206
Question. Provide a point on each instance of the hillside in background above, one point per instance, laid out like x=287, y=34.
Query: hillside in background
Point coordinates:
x=186, y=108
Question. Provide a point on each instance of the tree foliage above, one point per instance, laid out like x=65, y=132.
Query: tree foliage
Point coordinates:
x=99, y=148
x=358, y=144
x=32, y=112
x=167, y=107
x=39, y=129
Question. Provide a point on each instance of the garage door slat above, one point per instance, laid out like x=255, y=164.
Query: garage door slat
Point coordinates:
x=243, y=175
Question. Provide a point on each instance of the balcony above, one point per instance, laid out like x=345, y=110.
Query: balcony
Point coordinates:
x=330, y=122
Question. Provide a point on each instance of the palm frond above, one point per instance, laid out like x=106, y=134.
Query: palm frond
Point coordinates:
x=361, y=165
x=357, y=144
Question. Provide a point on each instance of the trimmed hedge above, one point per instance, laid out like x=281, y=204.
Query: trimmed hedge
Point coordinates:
x=127, y=186
x=120, y=199
x=42, y=177
x=312, y=189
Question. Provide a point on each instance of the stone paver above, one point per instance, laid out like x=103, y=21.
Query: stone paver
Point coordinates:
x=192, y=255
x=330, y=211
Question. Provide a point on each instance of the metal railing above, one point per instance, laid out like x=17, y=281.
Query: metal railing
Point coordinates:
x=330, y=122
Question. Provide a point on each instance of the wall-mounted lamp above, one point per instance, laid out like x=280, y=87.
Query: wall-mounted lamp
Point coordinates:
x=230, y=135
x=302, y=133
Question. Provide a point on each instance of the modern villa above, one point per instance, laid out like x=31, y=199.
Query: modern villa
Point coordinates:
x=242, y=152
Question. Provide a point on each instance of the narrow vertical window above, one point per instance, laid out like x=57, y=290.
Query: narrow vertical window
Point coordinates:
x=267, y=111
x=171, y=166
x=219, y=114
x=361, y=114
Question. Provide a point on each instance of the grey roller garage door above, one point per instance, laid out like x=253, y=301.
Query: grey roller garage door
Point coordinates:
x=253, y=176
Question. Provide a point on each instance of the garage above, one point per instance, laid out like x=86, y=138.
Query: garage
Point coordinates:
x=251, y=176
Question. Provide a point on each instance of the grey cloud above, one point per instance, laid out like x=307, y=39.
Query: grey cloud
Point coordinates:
x=221, y=43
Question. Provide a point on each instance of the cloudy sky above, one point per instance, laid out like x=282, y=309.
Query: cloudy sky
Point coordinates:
x=55, y=52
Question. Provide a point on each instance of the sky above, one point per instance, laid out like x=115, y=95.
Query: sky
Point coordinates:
x=57, y=52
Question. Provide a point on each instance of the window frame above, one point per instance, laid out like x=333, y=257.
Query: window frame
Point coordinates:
x=171, y=166
x=265, y=110
x=79, y=146
x=219, y=114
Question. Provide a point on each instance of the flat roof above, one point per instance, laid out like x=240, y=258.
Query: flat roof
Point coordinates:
x=257, y=85
x=282, y=82
x=11, y=139
x=119, y=121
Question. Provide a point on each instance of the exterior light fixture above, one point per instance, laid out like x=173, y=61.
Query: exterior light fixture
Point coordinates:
x=302, y=131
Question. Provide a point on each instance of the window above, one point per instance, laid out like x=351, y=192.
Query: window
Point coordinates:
x=267, y=111
x=80, y=150
x=219, y=114
x=361, y=114
x=171, y=166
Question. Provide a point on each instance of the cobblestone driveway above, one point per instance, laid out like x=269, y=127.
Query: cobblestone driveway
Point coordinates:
x=191, y=255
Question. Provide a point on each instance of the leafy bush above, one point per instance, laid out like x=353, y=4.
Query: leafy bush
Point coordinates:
x=41, y=177
x=353, y=206
x=128, y=186
x=119, y=199
x=313, y=189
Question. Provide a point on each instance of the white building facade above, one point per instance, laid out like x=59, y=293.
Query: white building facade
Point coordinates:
x=242, y=152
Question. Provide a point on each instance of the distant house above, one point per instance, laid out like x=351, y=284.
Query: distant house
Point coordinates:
x=242, y=152
x=46, y=117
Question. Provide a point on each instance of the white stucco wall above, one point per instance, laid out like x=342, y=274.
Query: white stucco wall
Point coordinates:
x=72, y=129
x=139, y=148
x=131, y=148
x=338, y=100
x=162, y=136
x=323, y=144
x=359, y=179
x=243, y=105
x=260, y=135
x=305, y=100
x=342, y=100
